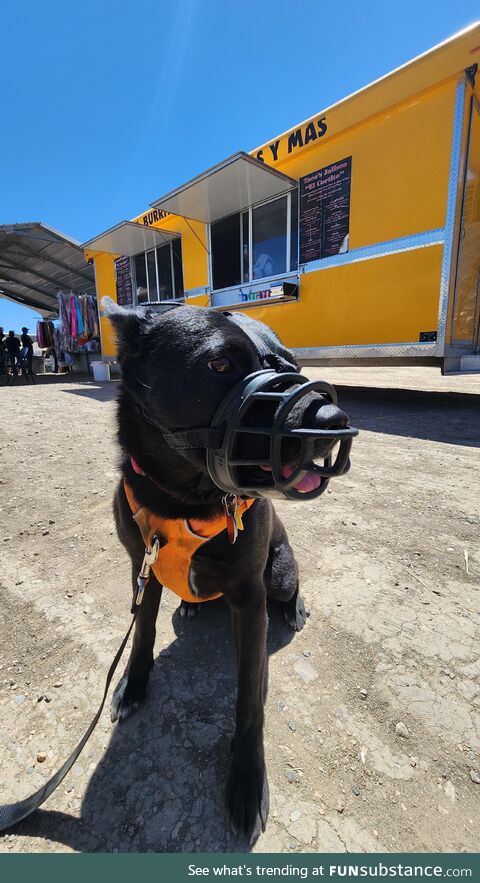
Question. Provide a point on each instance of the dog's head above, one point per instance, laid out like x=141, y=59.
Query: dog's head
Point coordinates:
x=177, y=367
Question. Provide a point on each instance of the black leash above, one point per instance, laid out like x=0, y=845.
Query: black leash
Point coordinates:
x=12, y=813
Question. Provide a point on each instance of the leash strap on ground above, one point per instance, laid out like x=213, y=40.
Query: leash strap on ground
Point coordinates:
x=12, y=813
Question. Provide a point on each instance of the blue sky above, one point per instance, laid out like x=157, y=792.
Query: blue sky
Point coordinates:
x=108, y=105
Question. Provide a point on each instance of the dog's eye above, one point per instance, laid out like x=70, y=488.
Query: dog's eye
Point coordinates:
x=222, y=365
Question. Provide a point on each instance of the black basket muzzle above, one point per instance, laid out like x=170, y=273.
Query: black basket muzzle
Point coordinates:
x=227, y=467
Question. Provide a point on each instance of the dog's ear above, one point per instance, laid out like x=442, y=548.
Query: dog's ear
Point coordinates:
x=268, y=345
x=129, y=325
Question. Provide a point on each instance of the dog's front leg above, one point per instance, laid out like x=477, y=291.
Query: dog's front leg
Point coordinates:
x=247, y=789
x=131, y=688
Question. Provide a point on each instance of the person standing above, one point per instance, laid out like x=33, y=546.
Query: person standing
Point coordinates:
x=2, y=352
x=27, y=349
x=12, y=346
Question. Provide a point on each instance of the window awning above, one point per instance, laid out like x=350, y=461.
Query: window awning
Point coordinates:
x=232, y=185
x=129, y=238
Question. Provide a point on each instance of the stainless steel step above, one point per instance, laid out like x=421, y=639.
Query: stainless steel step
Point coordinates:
x=470, y=364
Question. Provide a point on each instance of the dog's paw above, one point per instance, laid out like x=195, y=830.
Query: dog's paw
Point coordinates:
x=124, y=700
x=248, y=801
x=295, y=613
x=189, y=611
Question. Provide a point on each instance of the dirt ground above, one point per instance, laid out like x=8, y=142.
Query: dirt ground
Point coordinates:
x=390, y=566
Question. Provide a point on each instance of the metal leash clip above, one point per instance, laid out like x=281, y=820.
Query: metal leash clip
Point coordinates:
x=151, y=555
x=233, y=517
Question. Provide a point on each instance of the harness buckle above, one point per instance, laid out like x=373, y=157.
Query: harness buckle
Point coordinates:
x=232, y=517
x=149, y=559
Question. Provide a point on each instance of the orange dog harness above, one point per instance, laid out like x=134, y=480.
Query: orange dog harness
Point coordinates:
x=179, y=540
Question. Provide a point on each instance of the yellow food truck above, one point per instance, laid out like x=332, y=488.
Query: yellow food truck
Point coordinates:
x=355, y=235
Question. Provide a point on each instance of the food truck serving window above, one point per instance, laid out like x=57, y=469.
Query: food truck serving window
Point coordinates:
x=258, y=243
x=158, y=273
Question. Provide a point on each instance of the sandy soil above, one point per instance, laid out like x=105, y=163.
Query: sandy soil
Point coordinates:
x=390, y=567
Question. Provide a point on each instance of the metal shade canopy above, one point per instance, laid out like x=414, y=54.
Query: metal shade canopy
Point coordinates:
x=129, y=239
x=36, y=262
x=230, y=186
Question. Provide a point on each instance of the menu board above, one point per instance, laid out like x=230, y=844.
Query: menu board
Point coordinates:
x=325, y=211
x=123, y=276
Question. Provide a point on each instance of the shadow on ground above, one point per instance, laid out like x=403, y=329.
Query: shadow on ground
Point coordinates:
x=448, y=417
x=160, y=786
x=101, y=392
x=44, y=380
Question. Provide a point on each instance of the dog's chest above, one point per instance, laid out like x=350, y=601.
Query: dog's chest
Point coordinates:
x=176, y=568
x=181, y=564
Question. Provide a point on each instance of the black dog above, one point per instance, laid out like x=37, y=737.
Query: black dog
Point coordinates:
x=177, y=367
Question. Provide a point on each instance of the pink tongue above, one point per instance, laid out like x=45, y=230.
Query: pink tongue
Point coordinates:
x=310, y=481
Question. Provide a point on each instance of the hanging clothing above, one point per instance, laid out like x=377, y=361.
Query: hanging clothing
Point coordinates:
x=79, y=317
x=83, y=306
x=48, y=333
x=73, y=316
x=44, y=334
x=79, y=326
x=92, y=316
x=64, y=311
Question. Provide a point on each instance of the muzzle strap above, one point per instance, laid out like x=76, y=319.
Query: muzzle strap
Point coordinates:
x=182, y=439
x=192, y=438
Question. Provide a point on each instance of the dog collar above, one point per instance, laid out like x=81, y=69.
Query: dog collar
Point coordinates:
x=234, y=508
